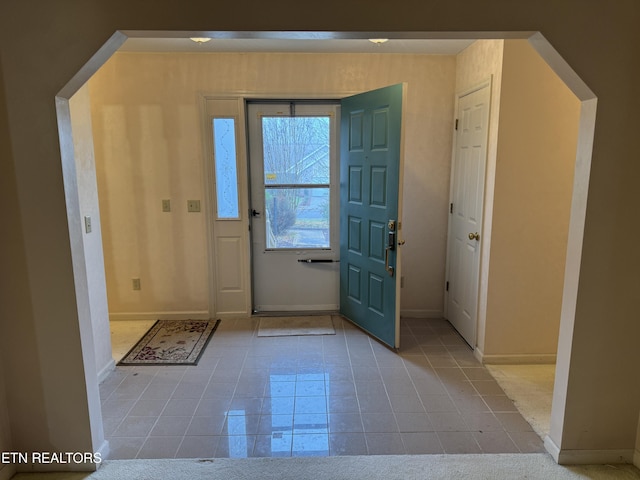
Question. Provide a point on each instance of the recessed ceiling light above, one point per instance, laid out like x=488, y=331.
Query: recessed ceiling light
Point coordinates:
x=378, y=41
x=200, y=39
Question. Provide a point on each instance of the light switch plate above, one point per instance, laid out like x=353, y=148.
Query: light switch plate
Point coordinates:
x=166, y=205
x=193, y=205
x=87, y=224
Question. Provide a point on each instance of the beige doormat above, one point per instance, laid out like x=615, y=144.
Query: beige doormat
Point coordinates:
x=295, y=326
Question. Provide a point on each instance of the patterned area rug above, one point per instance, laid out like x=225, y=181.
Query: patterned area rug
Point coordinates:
x=296, y=326
x=172, y=342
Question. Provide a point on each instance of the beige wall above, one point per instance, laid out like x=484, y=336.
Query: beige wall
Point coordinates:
x=536, y=154
x=7, y=192
x=475, y=64
x=53, y=402
x=13, y=316
x=149, y=146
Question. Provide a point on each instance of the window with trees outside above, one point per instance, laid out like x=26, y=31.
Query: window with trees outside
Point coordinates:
x=296, y=157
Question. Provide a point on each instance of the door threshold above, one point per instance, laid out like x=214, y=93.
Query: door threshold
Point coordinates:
x=297, y=313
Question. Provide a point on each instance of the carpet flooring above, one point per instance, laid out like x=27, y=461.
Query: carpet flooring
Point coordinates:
x=397, y=467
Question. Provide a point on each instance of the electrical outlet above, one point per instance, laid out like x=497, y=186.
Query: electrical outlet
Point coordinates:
x=136, y=283
x=87, y=224
x=193, y=205
x=166, y=205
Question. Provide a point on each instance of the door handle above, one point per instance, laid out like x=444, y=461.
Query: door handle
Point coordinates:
x=474, y=236
x=387, y=267
x=255, y=213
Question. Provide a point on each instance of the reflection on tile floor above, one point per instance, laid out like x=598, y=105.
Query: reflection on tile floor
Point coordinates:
x=342, y=394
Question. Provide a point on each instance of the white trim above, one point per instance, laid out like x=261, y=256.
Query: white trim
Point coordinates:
x=7, y=472
x=194, y=315
x=478, y=354
x=104, y=451
x=106, y=370
x=487, y=82
x=588, y=457
x=552, y=448
x=518, y=359
x=421, y=314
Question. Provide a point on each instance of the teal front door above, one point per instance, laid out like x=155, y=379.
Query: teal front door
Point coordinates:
x=370, y=211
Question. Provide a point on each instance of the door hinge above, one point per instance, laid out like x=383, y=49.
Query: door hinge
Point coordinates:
x=456, y=124
x=447, y=286
x=451, y=208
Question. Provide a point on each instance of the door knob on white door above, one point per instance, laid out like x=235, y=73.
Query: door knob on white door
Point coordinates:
x=474, y=236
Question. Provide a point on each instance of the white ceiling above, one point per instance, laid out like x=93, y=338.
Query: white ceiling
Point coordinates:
x=425, y=46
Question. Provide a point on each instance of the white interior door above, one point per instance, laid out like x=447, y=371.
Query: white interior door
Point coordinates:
x=467, y=200
x=294, y=206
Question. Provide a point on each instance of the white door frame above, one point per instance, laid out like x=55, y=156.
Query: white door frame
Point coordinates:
x=243, y=297
x=313, y=288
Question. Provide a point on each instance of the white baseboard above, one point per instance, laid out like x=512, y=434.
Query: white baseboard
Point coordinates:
x=104, y=451
x=515, y=359
x=588, y=457
x=7, y=471
x=106, y=370
x=552, y=448
x=478, y=354
x=421, y=314
x=194, y=315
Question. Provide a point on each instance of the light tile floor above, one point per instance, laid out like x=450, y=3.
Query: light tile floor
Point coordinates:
x=342, y=394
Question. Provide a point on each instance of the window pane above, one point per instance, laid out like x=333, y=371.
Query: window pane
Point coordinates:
x=296, y=150
x=224, y=154
x=297, y=217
